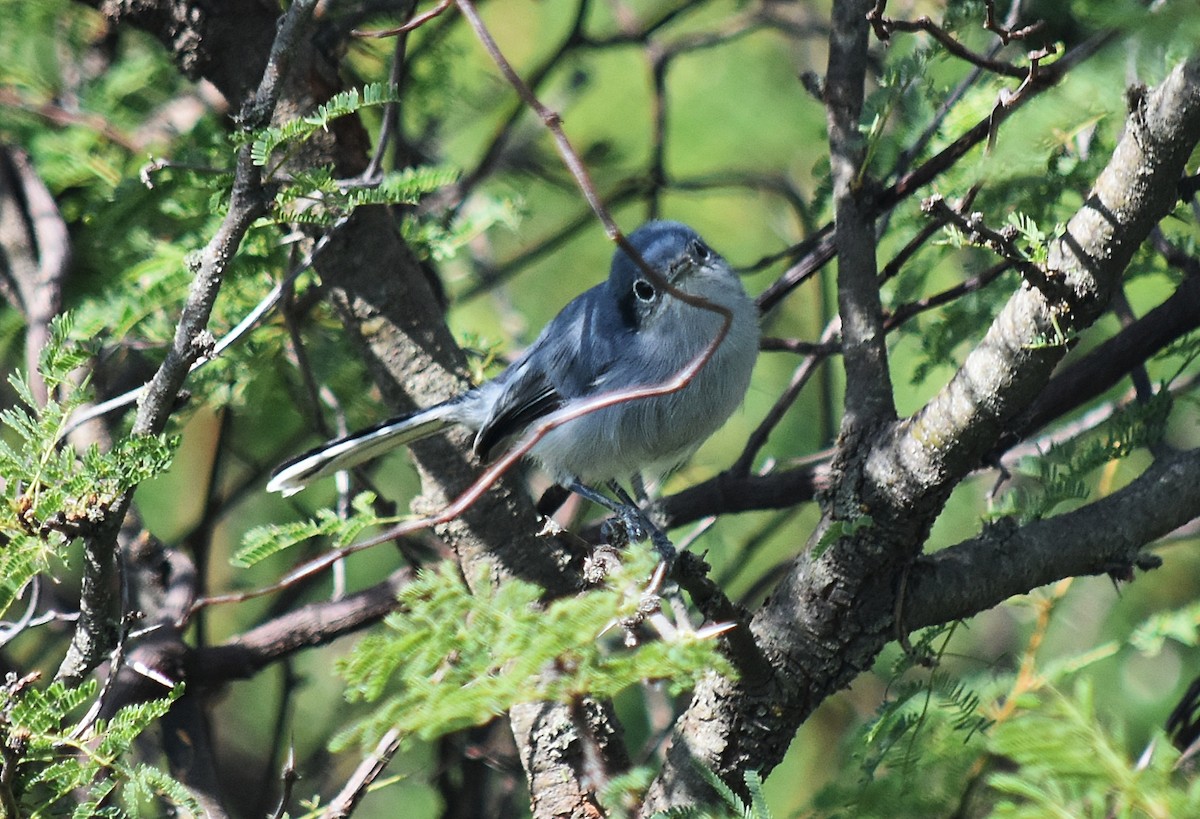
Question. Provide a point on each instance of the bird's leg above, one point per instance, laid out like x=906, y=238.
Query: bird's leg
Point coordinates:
x=632, y=522
x=662, y=545
x=639, y=489
x=635, y=520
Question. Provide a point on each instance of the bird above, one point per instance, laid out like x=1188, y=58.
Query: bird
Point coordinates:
x=623, y=333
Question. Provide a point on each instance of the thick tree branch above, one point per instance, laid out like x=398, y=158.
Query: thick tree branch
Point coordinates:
x=1107, y=535
x=310, y=625
x=868, y=384
x=833, y=612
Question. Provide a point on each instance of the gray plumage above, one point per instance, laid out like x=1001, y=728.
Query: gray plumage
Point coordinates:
x=620, y=334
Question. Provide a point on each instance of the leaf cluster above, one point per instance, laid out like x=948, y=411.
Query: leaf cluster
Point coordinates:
x=452, y=659
x=262, y=542
x=269, y=140
x=1060, y=475
x=312, y=196
x=49, y=760
x=1063, y=761
x=50, y=495
x=316, y=198
x=731, y=806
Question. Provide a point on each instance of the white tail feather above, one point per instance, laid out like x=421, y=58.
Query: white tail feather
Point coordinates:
x=352, y=450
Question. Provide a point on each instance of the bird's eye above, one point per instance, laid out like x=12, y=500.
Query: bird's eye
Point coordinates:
x=644, y=290
x=698, y=250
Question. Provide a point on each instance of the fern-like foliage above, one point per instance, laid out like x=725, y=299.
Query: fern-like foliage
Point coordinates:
x=269, y=140
x=451, y=659
x=731, y=805
x=315, y=198
x=1059, y=475
x=263, y=541
x=51, y=763
x=51, y=495
x=893, y=738
x=1069, y=764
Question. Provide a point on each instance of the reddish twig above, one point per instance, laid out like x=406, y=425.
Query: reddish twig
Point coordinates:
x=416, y=22
x=1005, y=31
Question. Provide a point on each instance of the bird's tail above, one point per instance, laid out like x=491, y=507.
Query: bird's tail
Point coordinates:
x=357, y=447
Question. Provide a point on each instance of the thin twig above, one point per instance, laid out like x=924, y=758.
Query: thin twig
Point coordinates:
x=906, y=311
x=416, y=22
x=287, y=777
x=250, y=321
x=884, y=26
x=366, y=773
x=390, y=126
x=9, y=631
x=799, y=378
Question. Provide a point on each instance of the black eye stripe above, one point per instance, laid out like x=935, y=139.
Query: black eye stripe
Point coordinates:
x=644, y=290
x=698, y=250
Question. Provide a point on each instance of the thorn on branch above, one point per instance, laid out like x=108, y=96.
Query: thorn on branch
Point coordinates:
x=288, y=778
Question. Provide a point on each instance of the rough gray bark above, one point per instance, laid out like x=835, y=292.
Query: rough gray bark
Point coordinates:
x=387, y=305
x=832, y=614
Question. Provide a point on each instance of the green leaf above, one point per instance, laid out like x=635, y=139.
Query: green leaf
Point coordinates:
x=263, y=541
x=451, y=659
x=269, y=140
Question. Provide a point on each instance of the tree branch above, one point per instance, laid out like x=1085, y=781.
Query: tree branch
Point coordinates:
x=834, y=610
x=1107, y=535
x=310, y=625
x=95, y=631
x=868, y=383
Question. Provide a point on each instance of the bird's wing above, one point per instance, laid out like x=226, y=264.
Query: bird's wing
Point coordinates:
x=568, y=360
x=525, y=398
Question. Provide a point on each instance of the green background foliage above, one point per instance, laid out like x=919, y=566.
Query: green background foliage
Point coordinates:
x=1043, y=703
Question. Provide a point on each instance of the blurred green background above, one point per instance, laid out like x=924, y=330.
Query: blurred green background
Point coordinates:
x=89, y=105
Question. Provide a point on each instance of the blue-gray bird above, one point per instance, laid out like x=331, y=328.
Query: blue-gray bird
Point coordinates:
x=622, y=333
